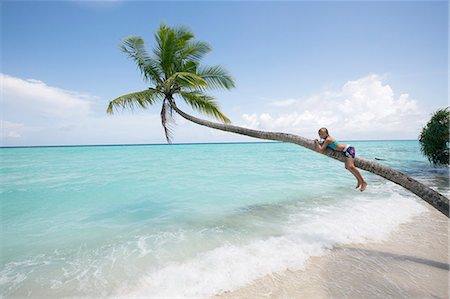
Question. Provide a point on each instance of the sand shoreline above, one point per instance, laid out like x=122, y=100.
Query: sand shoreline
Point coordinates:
x=412, y=263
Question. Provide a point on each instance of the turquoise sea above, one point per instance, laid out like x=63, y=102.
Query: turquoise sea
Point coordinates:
x=188, y=219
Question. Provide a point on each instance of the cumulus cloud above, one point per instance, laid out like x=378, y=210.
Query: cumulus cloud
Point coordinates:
x=34, y=113
x=11, y=129
x=33, y=96
x=363, y=108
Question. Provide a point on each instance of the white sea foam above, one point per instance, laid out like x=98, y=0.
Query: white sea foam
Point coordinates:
x=309, y=233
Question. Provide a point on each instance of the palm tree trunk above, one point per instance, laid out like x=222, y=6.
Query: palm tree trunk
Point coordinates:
x=432, y=197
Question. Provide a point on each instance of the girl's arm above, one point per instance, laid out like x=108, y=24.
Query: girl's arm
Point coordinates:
x=322, y=147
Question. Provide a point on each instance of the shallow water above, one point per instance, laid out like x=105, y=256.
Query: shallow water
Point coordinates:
x=188, y=219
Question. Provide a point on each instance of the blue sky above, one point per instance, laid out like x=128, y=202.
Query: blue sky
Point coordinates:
x=365, y=70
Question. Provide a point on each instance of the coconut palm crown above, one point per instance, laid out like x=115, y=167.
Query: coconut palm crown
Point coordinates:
x=174, y=70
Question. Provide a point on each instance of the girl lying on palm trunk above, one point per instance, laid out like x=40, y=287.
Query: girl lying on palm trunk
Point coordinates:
x=348, y=151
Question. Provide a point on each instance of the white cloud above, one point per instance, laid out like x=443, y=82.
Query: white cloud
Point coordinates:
x=283, y=103
x=365, y=108
x=35, y=113
x=11, y=132
x=11, y=129
x=34, y=97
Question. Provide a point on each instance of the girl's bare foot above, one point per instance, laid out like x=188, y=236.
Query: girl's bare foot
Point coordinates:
x=359, y=184
x=363, y=186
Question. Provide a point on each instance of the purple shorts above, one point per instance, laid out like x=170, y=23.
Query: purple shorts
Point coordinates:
x=350, y=152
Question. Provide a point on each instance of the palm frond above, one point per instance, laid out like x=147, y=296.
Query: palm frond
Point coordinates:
x=141, y=99
x=165, y=49
x=134, y=47
x=195, y=50
x=216, y=77
x=186, y=79
x=183, y=33
x=190, y=66
x=205, y=104
x=174, y=47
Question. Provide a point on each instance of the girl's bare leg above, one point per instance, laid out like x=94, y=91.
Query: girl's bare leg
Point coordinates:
x=361, y=181
x=350, y=166
x=347, y=166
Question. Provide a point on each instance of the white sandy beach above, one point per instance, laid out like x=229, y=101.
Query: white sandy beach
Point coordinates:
x=412, y=263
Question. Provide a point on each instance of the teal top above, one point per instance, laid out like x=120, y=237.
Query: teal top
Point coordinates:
x=333, y=145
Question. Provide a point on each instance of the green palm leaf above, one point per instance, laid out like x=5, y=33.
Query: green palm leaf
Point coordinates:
x=183, y=33
x=186, y=79
x=166, y=48
x=204, y=103
x=216, y=77
x=195, y=50
x=134, y=47
x=132, y=100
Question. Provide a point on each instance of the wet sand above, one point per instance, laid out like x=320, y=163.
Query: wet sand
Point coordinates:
x=413, y=262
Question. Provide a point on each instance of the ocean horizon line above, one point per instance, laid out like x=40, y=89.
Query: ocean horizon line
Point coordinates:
x=183, y=143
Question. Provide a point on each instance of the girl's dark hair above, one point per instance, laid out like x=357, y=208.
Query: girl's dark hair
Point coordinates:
x=323, y=129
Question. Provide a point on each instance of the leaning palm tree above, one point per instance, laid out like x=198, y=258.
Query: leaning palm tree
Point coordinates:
x=174, y=73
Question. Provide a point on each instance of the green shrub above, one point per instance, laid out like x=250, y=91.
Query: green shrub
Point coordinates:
x=434, y=138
